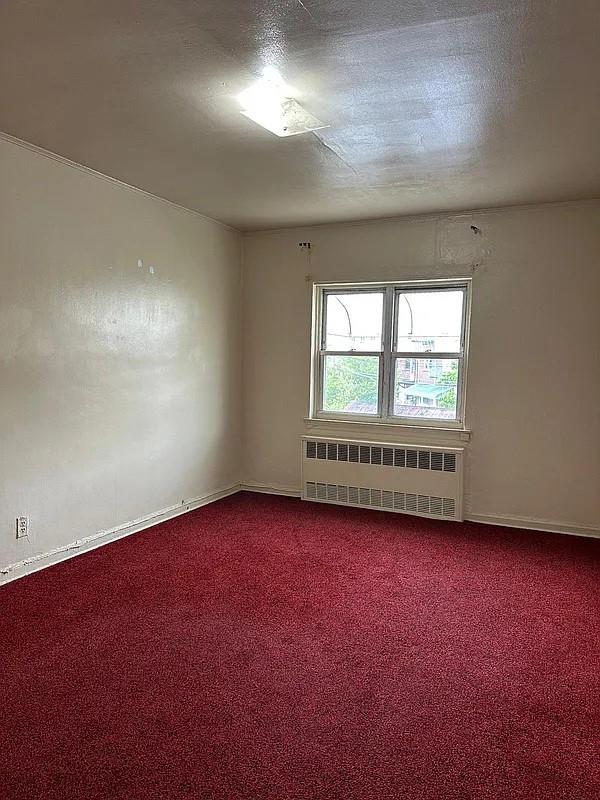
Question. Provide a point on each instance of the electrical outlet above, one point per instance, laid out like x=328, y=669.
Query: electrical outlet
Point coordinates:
x=22, y=527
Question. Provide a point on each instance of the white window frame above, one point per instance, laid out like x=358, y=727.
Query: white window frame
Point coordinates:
x=387, y=356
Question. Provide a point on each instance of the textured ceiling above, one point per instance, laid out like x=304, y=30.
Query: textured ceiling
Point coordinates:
x=432, y=105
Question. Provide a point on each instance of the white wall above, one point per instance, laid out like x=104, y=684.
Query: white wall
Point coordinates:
x=533, y=401
x=120, y=384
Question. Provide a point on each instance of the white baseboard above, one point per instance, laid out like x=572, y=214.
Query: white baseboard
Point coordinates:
x=43, y=560
x=489, y=519
x=286, y=491
x=544, y=525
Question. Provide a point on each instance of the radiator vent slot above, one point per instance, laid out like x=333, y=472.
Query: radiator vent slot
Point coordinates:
x=311, y=449
x=382, y=456
x=437, y=461
x=412, y=459
x=377, y=498
x=449, y=462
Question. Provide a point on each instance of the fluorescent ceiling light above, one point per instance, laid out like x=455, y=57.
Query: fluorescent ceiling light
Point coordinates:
x=270, y=103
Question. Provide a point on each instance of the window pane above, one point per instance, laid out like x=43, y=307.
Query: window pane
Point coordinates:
x=425, y=387
x=353, y=321
x=351, y=384
x=429, y=321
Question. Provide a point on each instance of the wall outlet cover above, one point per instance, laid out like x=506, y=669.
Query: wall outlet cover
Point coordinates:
x=22, y=527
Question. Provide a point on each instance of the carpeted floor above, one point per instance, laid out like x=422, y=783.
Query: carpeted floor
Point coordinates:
x=264, y=648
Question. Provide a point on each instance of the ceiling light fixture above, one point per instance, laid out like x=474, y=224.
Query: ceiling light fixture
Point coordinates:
x=270, y=103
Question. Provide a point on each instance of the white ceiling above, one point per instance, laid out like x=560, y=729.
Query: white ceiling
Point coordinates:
x=433, y=105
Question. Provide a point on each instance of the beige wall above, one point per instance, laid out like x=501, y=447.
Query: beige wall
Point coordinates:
x=534, y=373
x=120, y=384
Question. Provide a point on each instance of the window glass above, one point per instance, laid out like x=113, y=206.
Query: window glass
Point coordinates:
x=353, y=321
x=351, y=384
x=426, y=388
x=429, y=321
x=394, y=352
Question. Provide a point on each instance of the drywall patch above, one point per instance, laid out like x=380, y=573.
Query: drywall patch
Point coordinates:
x=462, y=242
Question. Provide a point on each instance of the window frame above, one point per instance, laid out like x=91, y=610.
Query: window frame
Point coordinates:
x=388, y=355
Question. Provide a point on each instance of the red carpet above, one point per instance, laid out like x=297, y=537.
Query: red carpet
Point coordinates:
x=270, y=649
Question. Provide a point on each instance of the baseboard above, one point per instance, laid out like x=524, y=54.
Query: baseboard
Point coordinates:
x=43, y=560
x=286, y=491
x=527, y=523
x=547, y=526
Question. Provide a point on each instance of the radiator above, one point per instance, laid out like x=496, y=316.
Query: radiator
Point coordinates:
x=409, y=479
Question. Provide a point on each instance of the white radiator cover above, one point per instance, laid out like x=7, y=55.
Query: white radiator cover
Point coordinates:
x=405, y=478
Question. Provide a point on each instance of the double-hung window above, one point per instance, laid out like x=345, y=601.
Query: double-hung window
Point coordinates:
x=392, y=352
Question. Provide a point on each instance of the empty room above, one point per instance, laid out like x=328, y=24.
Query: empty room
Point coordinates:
x=299, y=400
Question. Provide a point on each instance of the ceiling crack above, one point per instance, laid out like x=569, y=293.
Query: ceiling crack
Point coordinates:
x=306, y=9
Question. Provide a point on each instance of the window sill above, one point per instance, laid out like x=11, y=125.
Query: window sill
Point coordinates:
x=393, y=429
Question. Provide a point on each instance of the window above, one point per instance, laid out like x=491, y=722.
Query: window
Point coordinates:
x=374, y=347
